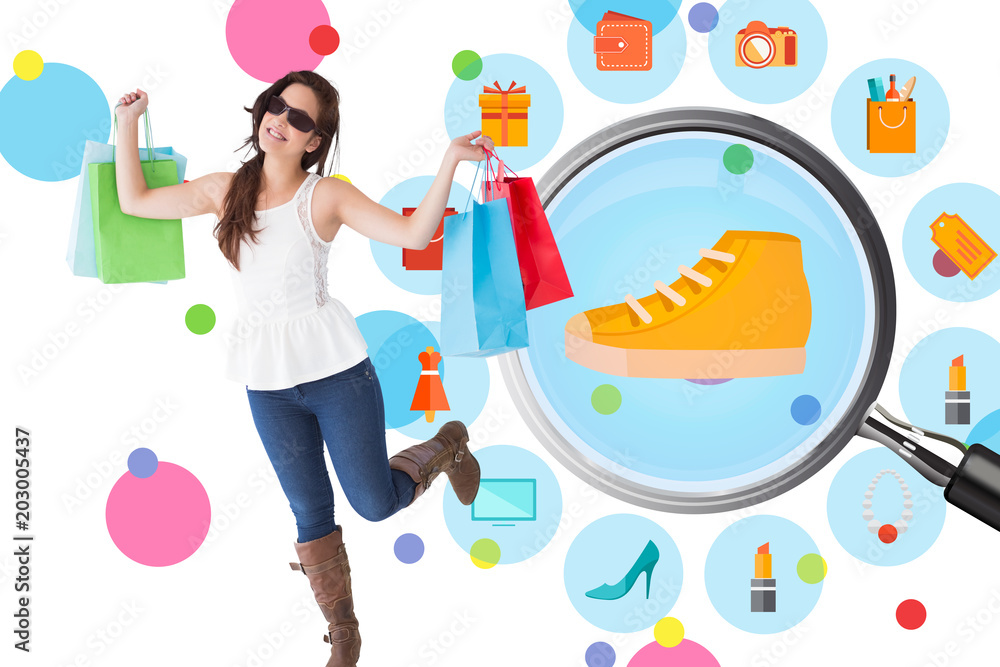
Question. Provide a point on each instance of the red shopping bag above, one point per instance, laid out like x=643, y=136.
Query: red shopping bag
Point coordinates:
x=428, y=259
x=542, y=271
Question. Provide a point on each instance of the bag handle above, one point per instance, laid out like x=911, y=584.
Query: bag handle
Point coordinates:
x=472, y=189
x=891, y=127
x=503, y=167
x=495, y=174
x=149, y=136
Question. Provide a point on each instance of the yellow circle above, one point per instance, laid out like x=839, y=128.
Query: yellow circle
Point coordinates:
x=28, y=65
x=669, y=632
x=485, y=553
x=342, y=177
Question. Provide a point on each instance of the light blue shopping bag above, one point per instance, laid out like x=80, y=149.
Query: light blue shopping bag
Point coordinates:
x=81, y=253
x=485, y=315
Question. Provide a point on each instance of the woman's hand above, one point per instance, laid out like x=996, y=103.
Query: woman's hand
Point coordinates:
x=131, y=106
x=464, y=148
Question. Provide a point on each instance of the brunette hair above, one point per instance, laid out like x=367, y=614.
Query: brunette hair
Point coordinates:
x=237, y=220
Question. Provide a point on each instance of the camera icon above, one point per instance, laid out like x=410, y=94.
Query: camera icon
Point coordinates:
x=758, y=46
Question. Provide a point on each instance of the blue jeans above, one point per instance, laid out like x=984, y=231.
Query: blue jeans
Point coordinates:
x=346, y=411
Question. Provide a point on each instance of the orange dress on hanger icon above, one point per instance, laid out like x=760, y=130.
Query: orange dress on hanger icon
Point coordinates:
x=429, y=395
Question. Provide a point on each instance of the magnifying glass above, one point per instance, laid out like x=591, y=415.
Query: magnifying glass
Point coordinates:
x=731, y=325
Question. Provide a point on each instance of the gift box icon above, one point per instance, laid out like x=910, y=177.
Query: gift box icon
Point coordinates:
x=505, y=114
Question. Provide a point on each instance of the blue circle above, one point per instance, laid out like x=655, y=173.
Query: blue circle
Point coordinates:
x=806, y=409
x=67, y=109
x=395, y=340
x=462, y=113
x=409, y=548
x=730, y=571
x=660, y=13
x=703, y=17
x=667, y=52
x=600, y=654
x=770, y=84
x=977, y=207
x=518, y=506
x=844, y=508
x=649, y=194
x=389, y=258
x=605, y=553
x=986, y=432
x=924, y=379
x=142, y=462
x=849, y=116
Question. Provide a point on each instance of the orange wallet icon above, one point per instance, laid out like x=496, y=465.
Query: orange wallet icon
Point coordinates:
x=623, y=43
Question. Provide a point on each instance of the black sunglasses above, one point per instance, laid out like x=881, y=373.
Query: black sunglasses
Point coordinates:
x=297, y=118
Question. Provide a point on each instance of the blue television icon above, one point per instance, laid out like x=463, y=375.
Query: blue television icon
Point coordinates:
x=505, y=500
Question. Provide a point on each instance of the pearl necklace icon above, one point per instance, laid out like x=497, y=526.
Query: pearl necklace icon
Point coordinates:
x=888, y=532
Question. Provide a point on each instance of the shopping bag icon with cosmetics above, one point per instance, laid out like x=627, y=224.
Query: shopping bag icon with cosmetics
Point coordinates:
x=892, y=118
x=623, y=43
x=429, y=258
x=542, y=272
x=486, y=314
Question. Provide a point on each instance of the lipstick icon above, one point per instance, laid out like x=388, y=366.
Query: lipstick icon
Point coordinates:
x=762, y=586
x=957, y=401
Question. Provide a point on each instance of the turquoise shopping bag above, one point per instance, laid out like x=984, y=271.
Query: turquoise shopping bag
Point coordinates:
x=483, y=313
x=80, y=253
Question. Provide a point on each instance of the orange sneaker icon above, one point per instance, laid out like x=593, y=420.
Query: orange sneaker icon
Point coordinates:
x=742, y=311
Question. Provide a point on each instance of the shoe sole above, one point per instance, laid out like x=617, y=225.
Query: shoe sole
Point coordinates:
x=685, y=364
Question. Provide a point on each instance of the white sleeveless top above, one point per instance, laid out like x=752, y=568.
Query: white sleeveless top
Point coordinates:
x=289, y=329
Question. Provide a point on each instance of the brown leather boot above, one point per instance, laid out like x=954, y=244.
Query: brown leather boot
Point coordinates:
x=448, y=453
x=324, y=561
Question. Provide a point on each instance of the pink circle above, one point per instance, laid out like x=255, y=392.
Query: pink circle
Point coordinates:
x=687, y=653
x=944, y=266
x=161, y=519
x=269, y=40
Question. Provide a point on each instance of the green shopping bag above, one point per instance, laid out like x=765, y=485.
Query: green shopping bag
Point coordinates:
x=130, y=249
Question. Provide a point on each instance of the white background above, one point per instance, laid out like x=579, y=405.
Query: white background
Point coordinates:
x=236, y=599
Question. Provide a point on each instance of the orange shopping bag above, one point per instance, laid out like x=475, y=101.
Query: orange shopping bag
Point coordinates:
x=892, y=127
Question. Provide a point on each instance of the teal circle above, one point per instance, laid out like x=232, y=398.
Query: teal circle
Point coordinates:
x=924, y=381
x=730, y=569
x=986, y=432
x=67, y=108
x=200, y=319
x=603, y=553
x=462, y=113
x=514, y=485
x=844, y=509
x=849, y=116
x=394, y=342
x=738, y=159
x=978, y=207
x=770, y=84
x=389, y=258
x=667, y=50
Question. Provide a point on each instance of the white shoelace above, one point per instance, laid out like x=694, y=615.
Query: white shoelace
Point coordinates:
x=688, y=273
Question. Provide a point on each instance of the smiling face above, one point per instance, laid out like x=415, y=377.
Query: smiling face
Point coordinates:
x=290, y=139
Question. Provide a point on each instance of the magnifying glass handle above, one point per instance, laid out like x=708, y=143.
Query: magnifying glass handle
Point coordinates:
x=973, y=485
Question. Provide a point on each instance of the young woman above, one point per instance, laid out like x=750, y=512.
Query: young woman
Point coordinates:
x=298, y=351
